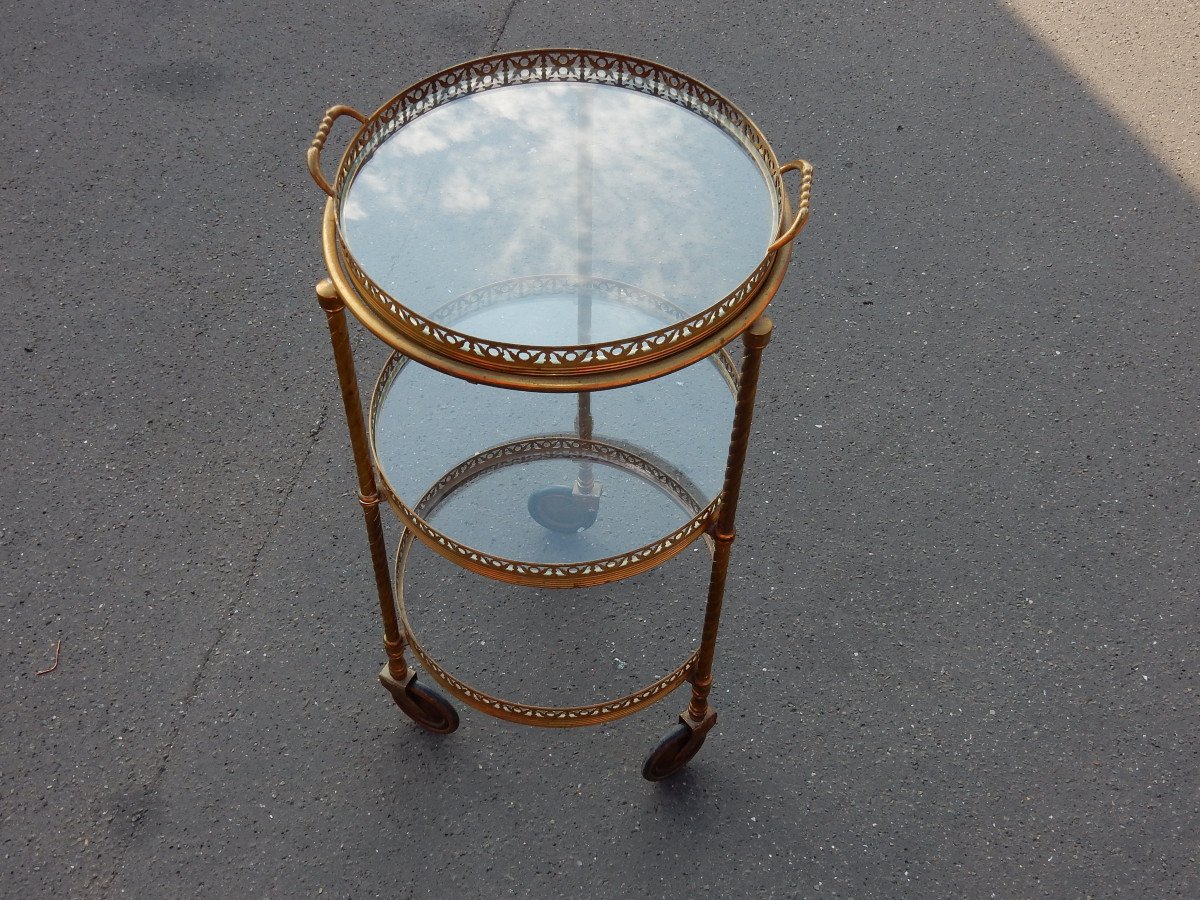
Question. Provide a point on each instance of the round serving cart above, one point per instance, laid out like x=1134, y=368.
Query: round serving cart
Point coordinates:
x=541, y=238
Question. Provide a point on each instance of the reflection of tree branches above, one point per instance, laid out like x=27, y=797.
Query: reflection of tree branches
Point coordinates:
x=674, y=212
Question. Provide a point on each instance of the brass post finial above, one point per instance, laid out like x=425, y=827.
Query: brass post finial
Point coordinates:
x=758, y=335
x=328, y=296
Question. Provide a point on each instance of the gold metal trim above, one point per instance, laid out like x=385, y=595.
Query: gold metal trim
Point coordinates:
x=806, y=176
x=388, y=331
x=755, y=341
x=364, y=463
x=318, y=144
x=457, y=352
x=531, y=287
x=526, y=714
x=550, y=361
x=554, y=575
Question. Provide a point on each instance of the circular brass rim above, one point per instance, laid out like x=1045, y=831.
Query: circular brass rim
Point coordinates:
x=537, y=364
x=554, y=575
x=550, y=382
x=524, y=713
x=641, y=462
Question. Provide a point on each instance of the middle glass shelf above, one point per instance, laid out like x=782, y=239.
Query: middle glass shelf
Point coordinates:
x=556, y=490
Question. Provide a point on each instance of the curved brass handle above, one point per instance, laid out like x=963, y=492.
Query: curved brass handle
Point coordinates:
x=806, y=173
x=314, y=152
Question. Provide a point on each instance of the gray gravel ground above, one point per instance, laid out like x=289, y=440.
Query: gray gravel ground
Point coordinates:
x=960, y=653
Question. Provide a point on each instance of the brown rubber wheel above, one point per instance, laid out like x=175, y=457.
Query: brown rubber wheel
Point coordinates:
x=427, y=708
x=672, y=753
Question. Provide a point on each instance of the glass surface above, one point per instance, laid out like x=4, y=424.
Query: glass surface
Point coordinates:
x=426, y=423
x=494, y=512
x=559, y=179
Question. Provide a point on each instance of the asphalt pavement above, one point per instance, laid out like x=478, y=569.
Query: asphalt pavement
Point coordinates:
x=959, y=656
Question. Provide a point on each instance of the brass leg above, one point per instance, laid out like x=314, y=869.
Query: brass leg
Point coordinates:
x=422, y=705
x=682, y=743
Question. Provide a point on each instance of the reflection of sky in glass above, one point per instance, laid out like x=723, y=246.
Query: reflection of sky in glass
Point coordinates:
x=498, y=185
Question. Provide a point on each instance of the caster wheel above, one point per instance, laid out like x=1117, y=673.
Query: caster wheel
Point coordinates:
x=561, y=509
x=429, y=709
x=426, y=707
x=673, y=752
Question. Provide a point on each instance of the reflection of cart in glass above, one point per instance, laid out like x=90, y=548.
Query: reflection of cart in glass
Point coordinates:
x=528, y=390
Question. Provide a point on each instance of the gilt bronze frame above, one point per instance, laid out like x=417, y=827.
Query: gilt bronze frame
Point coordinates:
x=579, y=369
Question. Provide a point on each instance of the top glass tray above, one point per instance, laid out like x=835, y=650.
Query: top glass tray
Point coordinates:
x=558, y=163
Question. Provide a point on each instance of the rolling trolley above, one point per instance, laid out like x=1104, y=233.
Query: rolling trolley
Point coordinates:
x=542, y=238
